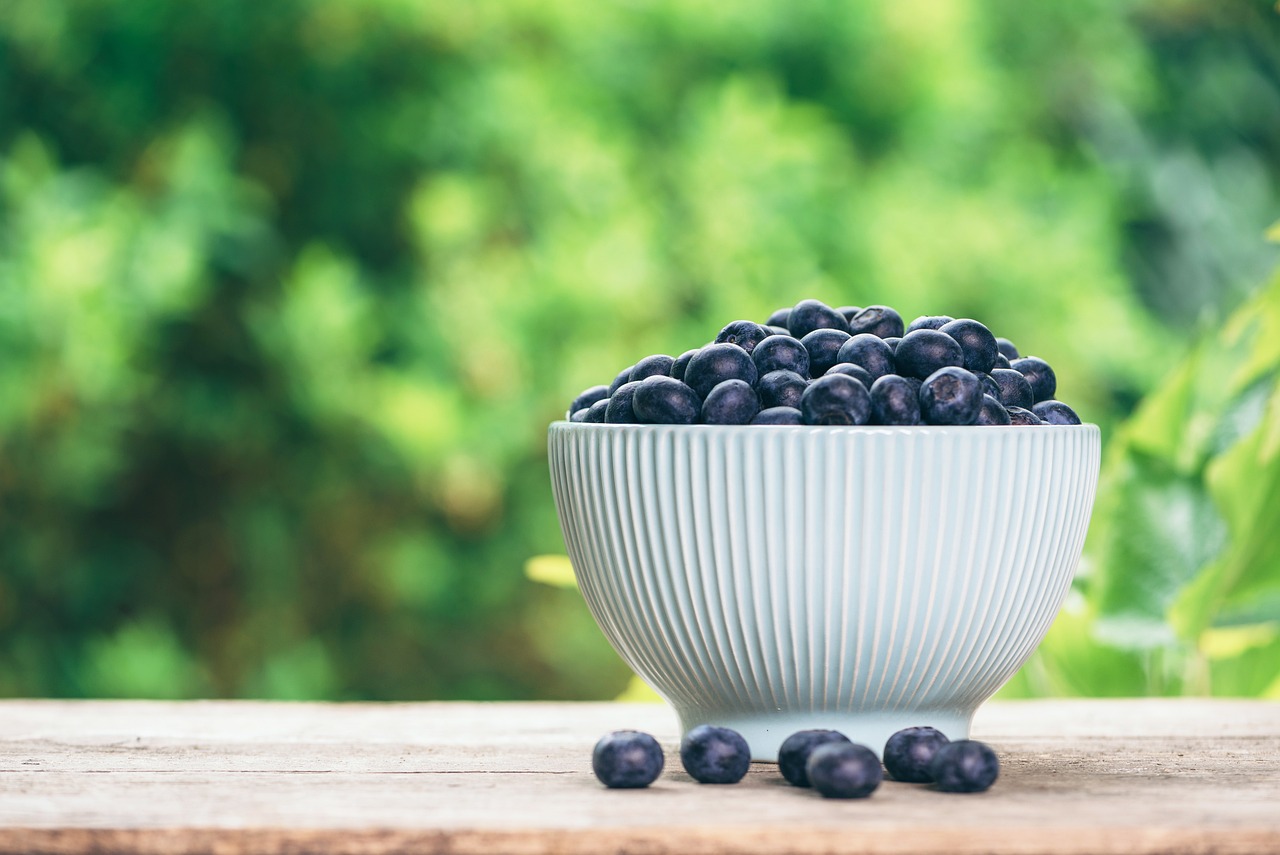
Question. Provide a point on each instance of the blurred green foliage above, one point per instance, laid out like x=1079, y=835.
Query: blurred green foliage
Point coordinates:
x=289, y=292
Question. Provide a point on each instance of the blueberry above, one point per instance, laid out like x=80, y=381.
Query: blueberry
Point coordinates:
x=992, y=412
x=894, y=401
x=1019, y=416
x=877, y=320
x=663, y=400
x=849, y=311
x=824, y=349
x=1007, y=349
x=732, y=402
x=778, y=331
x=870, y=352
x=844, y=770
x=836, y=399
x=923, y=351
x=1055, y=413
x=810, y=315
x=1002, y=361
x=964, y=766
x=989, y=386
x=950, y=396
x=795, y=751
x=781, y=353
x=589, y=397
x=857, y=372
x=715, y=755
x=1014, y=389
x=977, y=342
x=682, y=363
x=778, y=416
x=892, y=341
x=596, y=412
x=781, y=389
x=579, y=415
x=627, y=759
x=1044, y=383
x=778, y=318
x=620, y=410
x=624, y=376
x=930, y=322
x=909, y=752
x=745, y=334
x=715, y=363
x=652, y=366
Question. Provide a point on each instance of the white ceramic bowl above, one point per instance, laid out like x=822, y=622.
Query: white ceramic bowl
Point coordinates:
x=866, y=579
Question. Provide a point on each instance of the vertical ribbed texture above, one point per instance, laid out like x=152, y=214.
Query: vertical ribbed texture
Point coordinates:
x=755, y=570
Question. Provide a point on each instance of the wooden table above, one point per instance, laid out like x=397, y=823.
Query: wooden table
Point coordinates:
x=1186, y=776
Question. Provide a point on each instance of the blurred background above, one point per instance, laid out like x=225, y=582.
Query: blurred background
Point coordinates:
x=290, y=290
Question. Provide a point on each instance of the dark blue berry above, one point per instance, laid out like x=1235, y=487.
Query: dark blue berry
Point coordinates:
x=923, y=351
x=795, y=751
x=894, y=401
x=779, y=331
x=1002, y=361
x=950, y=396
x=745, y=334
x=624, y=376
x=849, y=311
x=989, y=386
x=621, y=407
x=992, y=412
x=964, y=766
x=682, y=362
x=892, y=341
x=857, y=372
x=877, y=320
x=778, y=318
x=579, y=415
x=870, y=352
x=844, y=770
x=1044, y=383
x=627, y=759
x=652, y=366
x=836, y=399
x=596, y=412
x=1007, y=349
x=824, y=349
x=930, y=322
x=1019, y=416
x=663, y=400
x=909, y=752
x=1055, y=413
x=781, y=353
x=732, y=402
x=716, y=363
x=715, y=755
x=977, y=342
x=781, y=389
x=589, y=397
x=778, y=416
x=1014, y=389
x=809, y=315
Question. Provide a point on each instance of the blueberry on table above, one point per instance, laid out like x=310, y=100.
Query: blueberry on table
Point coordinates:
x=745, y=334
x=1055, y=413
x=844, y=770
x=1019, y=416
x=663, y=400
x=992, y=412
x=652, y=366
x=836, y=399
x=1015, y=391
x=964, y=766
x=779, y=318
x=809, y=315
x=1044, y=383
x=849, y=311
x=894, y=401
x=781, y=353
x=930, y=322
x=870, y=352
x=732, y=402
x=1007, y=348
x=682, y=362
x=795, y=751
x=716, y=363
x=620, y=410
x=922, y=352
x=977, y=342
x=909, y=752
x=715, y=755
x=627, y=759
x=781, y=389
x=589, y=397
x=596, y=412
x=778, y=416
x=950, y=396
x=624, y=376
x=877, y=320
x=824, y=349
x=857, y=372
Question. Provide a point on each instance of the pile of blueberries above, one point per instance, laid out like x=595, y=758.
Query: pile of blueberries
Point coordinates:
x=826, y=760
x=815, y=365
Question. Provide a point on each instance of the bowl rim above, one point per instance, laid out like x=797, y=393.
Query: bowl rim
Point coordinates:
x=896, y=430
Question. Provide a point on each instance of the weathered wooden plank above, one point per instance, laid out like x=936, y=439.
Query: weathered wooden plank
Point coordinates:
x=1079, y=776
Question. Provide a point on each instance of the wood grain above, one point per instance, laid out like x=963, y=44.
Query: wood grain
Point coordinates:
x=1150, y=776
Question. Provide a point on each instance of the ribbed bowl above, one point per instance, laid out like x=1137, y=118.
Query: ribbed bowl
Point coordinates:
x=772, y=579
